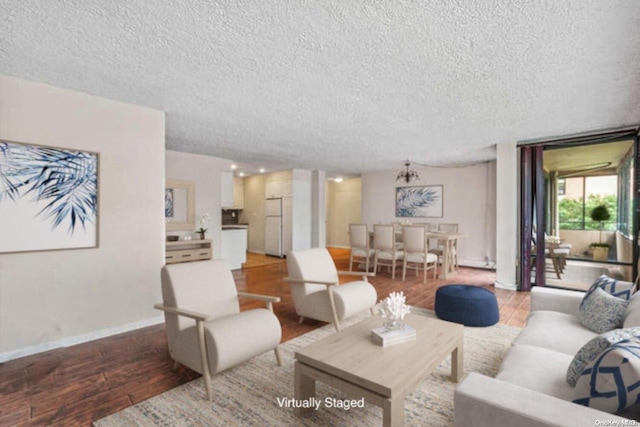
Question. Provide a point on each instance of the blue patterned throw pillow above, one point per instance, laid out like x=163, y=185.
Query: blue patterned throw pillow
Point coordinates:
x=594, y=347
x=601, y=312
x=611, y=382
x=614, y=287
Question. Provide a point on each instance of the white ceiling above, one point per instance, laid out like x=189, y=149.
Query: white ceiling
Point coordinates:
x=344, y=86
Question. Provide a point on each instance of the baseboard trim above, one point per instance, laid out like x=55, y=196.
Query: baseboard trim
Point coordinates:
x=477, y=264
x=256, y=252
x=338, y=247
x=507, y=286
x=78, y=339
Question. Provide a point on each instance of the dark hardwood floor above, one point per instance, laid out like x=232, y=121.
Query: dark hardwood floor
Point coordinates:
x=83, y=383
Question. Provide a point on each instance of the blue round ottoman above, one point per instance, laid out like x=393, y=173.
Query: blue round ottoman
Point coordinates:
x=466, y=304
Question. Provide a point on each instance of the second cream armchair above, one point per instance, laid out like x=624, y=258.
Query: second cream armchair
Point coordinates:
x=317, y=292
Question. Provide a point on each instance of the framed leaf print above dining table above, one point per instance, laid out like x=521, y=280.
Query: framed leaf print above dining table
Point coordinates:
x=48, y=198
x=419, y=201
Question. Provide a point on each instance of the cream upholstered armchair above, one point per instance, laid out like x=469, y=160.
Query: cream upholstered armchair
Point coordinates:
x=205, y=329
x=317, y=293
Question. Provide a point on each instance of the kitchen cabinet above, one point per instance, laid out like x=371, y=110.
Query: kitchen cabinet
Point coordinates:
x=277, y=189
x=238, y=193
x=226, y=190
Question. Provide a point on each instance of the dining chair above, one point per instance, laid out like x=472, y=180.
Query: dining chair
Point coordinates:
x=386, y=251
x=397, y=229
x=360, y=247
x=416, y=254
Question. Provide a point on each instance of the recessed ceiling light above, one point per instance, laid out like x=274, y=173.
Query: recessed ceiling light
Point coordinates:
x=234, y=166
x=262, y=170
x=241, y=174
x=338, y=179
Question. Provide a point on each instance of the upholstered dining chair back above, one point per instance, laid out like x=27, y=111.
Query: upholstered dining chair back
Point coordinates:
x=311, y=264
x=383, y=237
x=359, y=236
x=448, y=228
x=205, y=287
x=414, y=239
x=427, y=225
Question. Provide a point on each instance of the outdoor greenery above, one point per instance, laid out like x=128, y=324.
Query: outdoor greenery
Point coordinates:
x=575, y=216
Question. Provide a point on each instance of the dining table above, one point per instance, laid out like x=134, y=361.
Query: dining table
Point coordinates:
x=449, y=247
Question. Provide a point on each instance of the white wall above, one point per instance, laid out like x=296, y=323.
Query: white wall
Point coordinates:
x=469, y=200
x=318, y=210
x=205, y=172
x=344, y=202
x=52, y=298
x=301, y=209
x=507, y=206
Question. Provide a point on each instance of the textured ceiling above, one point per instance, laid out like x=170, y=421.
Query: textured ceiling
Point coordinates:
x=344, y=86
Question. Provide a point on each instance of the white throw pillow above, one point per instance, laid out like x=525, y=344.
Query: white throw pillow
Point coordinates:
x=594, y=347
x=617, y=288
x=611, y=382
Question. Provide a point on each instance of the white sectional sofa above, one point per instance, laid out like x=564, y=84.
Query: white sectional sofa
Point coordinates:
x=531, y=388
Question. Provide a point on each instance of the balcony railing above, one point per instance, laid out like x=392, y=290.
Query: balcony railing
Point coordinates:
x=589, y=225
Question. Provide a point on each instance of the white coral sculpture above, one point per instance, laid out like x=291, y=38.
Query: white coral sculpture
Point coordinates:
x=394, y=307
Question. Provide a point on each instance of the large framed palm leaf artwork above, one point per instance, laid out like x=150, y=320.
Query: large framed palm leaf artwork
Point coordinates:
x=419, y=202
x=48, y=198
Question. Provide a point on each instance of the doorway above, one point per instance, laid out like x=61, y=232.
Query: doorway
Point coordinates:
x=578, y=216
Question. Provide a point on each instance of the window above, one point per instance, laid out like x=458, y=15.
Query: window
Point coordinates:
x=581, y=195
x=625, y=199
x=561, y=186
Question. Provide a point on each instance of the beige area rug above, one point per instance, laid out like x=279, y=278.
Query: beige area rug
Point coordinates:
x=247, y=395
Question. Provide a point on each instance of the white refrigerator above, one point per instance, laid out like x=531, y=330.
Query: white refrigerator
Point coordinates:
x=273, y=227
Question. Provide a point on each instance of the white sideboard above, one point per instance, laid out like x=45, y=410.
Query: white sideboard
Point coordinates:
x=187, y=250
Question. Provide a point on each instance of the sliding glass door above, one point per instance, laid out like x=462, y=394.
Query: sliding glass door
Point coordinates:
x=578, y=216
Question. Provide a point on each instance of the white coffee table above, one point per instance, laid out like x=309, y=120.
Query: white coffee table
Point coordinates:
x=349, y=361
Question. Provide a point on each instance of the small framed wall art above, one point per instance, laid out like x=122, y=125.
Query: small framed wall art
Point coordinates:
x=419, y=202
x=48, y=198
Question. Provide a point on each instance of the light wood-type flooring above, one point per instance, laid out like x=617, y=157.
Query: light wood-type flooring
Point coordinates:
x=83, y=383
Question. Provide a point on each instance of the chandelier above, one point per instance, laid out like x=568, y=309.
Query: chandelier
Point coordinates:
x=407, y=175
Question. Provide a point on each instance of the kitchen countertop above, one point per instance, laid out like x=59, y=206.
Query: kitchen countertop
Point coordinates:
x=235, y=227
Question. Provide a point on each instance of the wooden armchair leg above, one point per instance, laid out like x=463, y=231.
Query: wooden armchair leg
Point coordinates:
x=205, y=362
x=334, y=313
x=278, y=357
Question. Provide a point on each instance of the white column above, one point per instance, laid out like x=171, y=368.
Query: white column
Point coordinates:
x=506, y=215
x=318, y=209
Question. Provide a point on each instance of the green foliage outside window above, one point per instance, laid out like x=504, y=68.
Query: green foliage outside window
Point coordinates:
x=575, y=216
